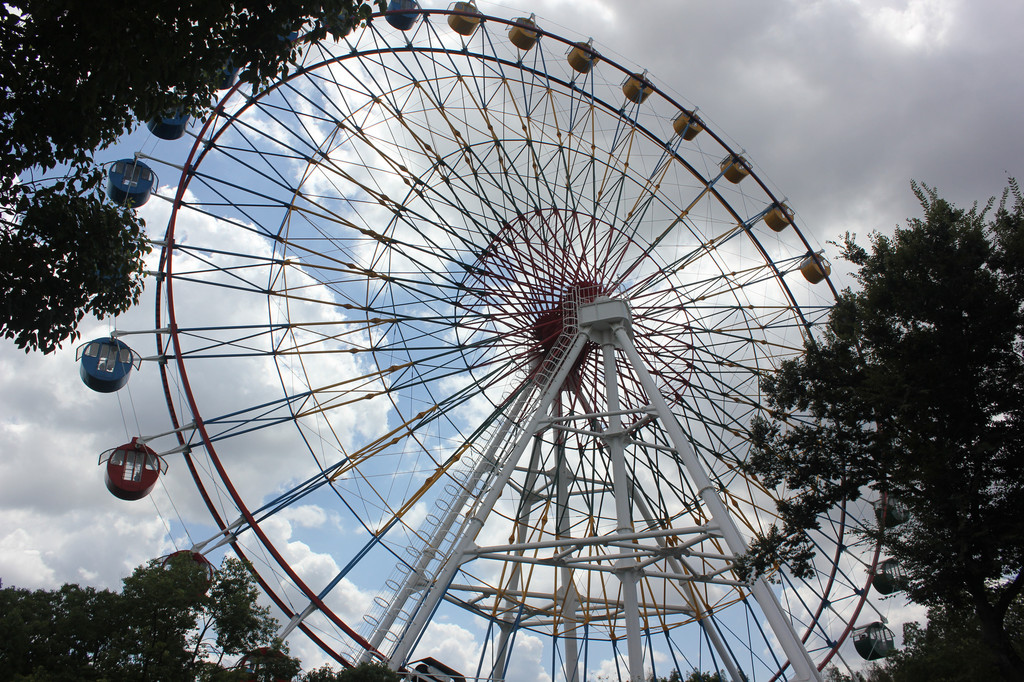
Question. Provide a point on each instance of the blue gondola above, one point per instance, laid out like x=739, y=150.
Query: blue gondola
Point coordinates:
x=169, y=127
x=105, y=364
x=403, y=14
x=888, y=577
x=874, y=641
x=130, y=182
x=228, y=75
x=890, y=511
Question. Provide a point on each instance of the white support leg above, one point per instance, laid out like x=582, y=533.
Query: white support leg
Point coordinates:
x=799, y=659
x=569, y=597
x=698, y=607
x=414, y=581
x=479, y=515
x=614, y=437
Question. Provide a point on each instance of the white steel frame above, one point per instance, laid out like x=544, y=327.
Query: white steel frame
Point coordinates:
x=605, y=322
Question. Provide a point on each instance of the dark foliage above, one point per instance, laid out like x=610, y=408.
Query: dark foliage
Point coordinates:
x=364, y=672
x=164, y=625
x=951, y=648
x=72, y=81
x=694, y=676
x=916, y=391
x=55, y=635
x=72, y=253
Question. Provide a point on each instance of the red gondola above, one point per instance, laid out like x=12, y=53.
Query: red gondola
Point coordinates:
x=187, y=555
x=132, y=470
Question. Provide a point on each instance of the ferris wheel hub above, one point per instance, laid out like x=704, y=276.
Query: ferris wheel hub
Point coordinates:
x=604, y=314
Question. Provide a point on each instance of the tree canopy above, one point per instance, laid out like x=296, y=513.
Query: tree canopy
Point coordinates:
x=362, y=672
x=694, y=676
x=73, y=81
x=171, y=621
x=915, y=392
x=950, y=647
x=175, y=620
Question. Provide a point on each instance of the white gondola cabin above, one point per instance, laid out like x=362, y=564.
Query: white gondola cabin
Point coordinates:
x=890, y=512
x=888, y=577
x=874, y=641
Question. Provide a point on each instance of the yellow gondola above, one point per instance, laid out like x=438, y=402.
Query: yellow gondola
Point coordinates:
x=734, y=167
x=582, y=57
x=636, y=88
x=778, y=217
x=464, y=24
x=687, y=125
x=523, y=34
x=815, y=268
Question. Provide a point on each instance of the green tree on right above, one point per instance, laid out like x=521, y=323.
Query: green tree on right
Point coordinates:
x=951, y=647
x=915, y=392
x=948, y=648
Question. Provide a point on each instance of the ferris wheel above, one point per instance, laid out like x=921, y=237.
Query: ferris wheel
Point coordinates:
x=462, y=326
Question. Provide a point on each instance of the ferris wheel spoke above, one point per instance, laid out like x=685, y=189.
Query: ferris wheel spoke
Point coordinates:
x=314, y=401
x=518, y=115
x=350, y=464
x=467, y=154
x=248, y=209
x=420, y=188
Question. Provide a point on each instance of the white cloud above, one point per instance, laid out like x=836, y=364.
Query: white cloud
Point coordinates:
x=915, y=23
x=307, y=515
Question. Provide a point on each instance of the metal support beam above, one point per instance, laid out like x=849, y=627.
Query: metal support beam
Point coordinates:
x=799, y=659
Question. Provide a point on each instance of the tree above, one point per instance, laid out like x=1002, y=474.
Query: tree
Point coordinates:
x=72, y=82
x=169, y=623
x=872, y=674
x=54, y=635
x=916, y=392
x=322, y=674
x=363, y=672
x=951, y=647
x=701, y=676
x=694, y=676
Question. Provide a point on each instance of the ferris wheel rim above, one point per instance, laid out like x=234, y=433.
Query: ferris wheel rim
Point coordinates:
x=173, y=333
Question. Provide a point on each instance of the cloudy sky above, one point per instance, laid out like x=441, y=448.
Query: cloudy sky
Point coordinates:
x=838, y=103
